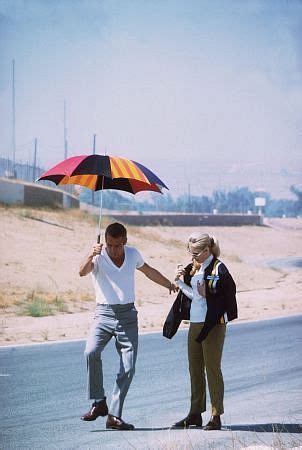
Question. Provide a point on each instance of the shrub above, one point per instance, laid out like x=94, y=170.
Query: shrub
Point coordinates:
x=37, y=307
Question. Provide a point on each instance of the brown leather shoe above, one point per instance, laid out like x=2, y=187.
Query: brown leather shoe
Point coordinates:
x=97, y=409
x=213, y=424
x=116, y=423
x=191, y=421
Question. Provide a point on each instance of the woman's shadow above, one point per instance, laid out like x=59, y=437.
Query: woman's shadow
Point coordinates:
x=267, y=427
x=259, y=428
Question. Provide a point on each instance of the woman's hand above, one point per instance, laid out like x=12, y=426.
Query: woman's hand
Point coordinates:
x=201, y=288
x=179, y=271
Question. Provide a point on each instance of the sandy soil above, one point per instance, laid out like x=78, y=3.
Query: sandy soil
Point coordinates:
x=41, y=252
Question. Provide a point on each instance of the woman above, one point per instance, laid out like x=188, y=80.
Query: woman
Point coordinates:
x=212, y=292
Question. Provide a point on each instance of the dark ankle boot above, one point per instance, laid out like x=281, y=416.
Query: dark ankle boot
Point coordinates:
x=213, y=424
x=191, y=421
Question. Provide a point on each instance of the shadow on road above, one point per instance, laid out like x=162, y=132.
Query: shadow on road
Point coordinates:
x=259, y=428
x=135, y=429
x=267, y=427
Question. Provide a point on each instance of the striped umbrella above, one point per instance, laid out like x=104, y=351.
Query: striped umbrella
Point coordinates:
x=98, y=172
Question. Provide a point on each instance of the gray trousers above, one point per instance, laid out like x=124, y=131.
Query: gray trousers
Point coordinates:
x=119, y=321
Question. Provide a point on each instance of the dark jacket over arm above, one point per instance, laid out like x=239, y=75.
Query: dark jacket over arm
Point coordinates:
x=180, y=309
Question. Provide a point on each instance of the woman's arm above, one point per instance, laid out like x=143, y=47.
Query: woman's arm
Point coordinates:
x=187, y=290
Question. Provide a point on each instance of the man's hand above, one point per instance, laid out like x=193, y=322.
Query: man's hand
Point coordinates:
x=97, y=249
x=173, y=288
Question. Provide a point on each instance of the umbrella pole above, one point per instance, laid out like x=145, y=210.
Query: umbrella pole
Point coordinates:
x=101, y=211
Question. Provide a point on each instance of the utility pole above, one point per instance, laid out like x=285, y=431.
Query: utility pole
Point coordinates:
x=65, y=133
x=93, y=151
x=14, y=121
x=35, y=160
x=189, y=197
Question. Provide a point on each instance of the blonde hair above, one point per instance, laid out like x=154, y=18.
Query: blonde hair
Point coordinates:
x=199, y=241
x=195, y=267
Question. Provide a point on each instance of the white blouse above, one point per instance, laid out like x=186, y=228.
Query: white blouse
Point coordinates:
x=199, y=305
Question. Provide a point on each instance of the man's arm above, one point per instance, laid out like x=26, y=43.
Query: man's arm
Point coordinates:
x=157, y=277
x=87, y=265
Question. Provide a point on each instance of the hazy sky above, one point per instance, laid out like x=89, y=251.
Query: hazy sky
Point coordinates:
x=205, y=92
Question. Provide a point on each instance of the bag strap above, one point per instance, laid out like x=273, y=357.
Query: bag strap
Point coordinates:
x=214, y=275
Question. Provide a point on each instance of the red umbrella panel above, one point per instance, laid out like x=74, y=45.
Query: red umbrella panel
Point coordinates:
x=98, y=172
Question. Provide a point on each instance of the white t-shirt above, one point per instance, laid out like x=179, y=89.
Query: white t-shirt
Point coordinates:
x=115, y=285
x=199, y=308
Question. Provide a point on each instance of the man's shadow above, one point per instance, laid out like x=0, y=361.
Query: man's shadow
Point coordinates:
x=259, y=428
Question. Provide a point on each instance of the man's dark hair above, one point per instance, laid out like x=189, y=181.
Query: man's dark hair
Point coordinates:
x=116, y=230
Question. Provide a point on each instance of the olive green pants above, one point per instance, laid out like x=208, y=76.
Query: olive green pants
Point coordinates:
x=206, y=357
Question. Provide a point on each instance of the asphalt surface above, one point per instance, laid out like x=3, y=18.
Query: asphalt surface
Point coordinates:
x=291, y=263
x=42, y=393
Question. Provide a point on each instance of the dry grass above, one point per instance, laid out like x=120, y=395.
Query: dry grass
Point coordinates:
x=4, y=302
x=36, y=305
x=192, y=440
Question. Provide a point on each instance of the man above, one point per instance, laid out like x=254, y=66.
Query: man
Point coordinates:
x=112, y=269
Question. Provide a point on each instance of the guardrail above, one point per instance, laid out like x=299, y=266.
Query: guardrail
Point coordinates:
x=183, y=220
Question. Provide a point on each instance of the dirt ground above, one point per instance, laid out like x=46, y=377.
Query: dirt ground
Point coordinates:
x=40, y=254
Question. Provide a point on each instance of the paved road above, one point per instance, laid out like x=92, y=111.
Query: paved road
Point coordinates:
x=43, y=393
x=291, y=263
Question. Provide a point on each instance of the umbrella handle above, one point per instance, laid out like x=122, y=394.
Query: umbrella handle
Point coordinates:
x=101, y=210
